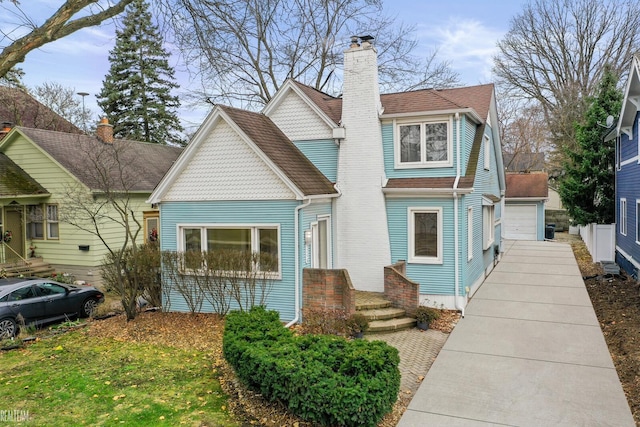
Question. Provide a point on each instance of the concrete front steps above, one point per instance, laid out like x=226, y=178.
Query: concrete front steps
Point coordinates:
x=383, y=317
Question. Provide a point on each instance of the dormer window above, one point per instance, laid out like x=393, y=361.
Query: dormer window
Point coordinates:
x=423, y=144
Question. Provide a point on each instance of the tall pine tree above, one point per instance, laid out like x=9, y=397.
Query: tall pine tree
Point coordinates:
x=588, y=186
x=136, y=93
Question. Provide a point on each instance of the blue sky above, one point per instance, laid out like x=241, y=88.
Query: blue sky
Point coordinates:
x=464, y=31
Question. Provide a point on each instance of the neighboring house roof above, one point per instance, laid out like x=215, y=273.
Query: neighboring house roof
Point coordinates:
x=524, y=162
x=286, y=156
x=631, y=102
x=527, y=185
x=145, y=163
x=21, y=109
x=14, y=181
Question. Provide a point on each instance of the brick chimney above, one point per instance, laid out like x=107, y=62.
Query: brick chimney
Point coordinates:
x=361, y=210
x=104, y=131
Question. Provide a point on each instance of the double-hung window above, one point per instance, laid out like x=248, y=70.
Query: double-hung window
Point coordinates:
x=638, y=221
x=261, y=240
x=424, y=144
x=35, y=222
x=425, y=235
x=52, y=222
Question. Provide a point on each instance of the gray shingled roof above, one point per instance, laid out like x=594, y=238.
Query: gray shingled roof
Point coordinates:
x=145, y=163
x=16, y=182
x=21, y=109
x=286, y=156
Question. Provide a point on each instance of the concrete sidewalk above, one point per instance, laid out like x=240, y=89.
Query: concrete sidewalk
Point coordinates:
x=529, y=352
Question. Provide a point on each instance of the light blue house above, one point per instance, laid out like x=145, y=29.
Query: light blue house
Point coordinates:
x=358, y=183
x=628, y=176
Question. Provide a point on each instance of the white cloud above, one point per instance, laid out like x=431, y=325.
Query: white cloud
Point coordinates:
x=467, y=44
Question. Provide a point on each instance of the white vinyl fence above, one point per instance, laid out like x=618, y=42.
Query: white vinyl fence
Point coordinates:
x=600, y=240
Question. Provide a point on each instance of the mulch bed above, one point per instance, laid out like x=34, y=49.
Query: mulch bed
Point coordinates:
x=616, y=301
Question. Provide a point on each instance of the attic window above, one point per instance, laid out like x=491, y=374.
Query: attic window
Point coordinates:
x=423, y=144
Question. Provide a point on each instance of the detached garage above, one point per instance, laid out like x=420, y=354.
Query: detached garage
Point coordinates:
x=524, y=206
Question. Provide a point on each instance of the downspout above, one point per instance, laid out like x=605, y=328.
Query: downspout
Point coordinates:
x=296, y=245
x=456, y=221
x=296, y=233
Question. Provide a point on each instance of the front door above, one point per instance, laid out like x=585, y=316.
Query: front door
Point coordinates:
x=13, y=224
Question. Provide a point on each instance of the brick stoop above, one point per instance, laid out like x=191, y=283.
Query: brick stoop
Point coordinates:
x=382, y=316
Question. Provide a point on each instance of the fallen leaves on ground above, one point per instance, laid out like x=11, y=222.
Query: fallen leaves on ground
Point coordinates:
x=204, y=332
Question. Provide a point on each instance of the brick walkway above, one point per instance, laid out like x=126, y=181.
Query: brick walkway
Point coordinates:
x=418, y=349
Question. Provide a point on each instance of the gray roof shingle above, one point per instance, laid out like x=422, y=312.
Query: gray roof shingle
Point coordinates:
x=143, y=164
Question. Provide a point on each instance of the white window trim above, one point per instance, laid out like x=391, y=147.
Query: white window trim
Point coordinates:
x=618, y=153
x=315, y=240
x=488, y=227
x=255, y=241
x=411, y=240
x=637, y=217
x=487, y=153
x=423, y=163
x=49, y=222
x=623, y=216
x=469, y=233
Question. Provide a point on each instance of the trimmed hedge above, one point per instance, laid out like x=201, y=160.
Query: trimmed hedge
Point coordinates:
x=321, y=378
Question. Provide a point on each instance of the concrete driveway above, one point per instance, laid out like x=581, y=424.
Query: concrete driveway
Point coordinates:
x=529, y=352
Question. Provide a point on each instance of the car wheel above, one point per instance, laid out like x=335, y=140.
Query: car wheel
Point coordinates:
x=88, y=307
x=8, y=328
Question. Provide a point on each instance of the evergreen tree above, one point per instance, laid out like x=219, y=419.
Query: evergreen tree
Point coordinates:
x=588, y=186
x=136, y=93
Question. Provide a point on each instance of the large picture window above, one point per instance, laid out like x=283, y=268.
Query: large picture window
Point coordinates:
x=423, y=144
x=425, y=235
x=262, y=240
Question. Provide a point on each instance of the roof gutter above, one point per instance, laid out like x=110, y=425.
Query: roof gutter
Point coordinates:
x=438, y=192
x=296, y=245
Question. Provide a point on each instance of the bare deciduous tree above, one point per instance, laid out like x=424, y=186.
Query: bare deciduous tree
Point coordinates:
x=16, y=44
x=524, y=135
x=555, y=53
x=243, y=50
x=65, y=102
x=108, y=208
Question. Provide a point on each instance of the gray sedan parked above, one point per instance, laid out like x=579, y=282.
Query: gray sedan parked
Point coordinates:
x=41, y=301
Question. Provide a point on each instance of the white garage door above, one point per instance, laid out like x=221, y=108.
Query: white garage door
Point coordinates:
x=520, y=222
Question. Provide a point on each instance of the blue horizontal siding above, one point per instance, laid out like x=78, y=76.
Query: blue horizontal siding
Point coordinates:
x=323, y=154
x=628, y=186
x=437, y=279
x=281, y=213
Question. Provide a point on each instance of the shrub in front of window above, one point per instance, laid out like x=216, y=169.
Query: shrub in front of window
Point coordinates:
x=223, y=278
x=132, y=274
x=323, y=379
